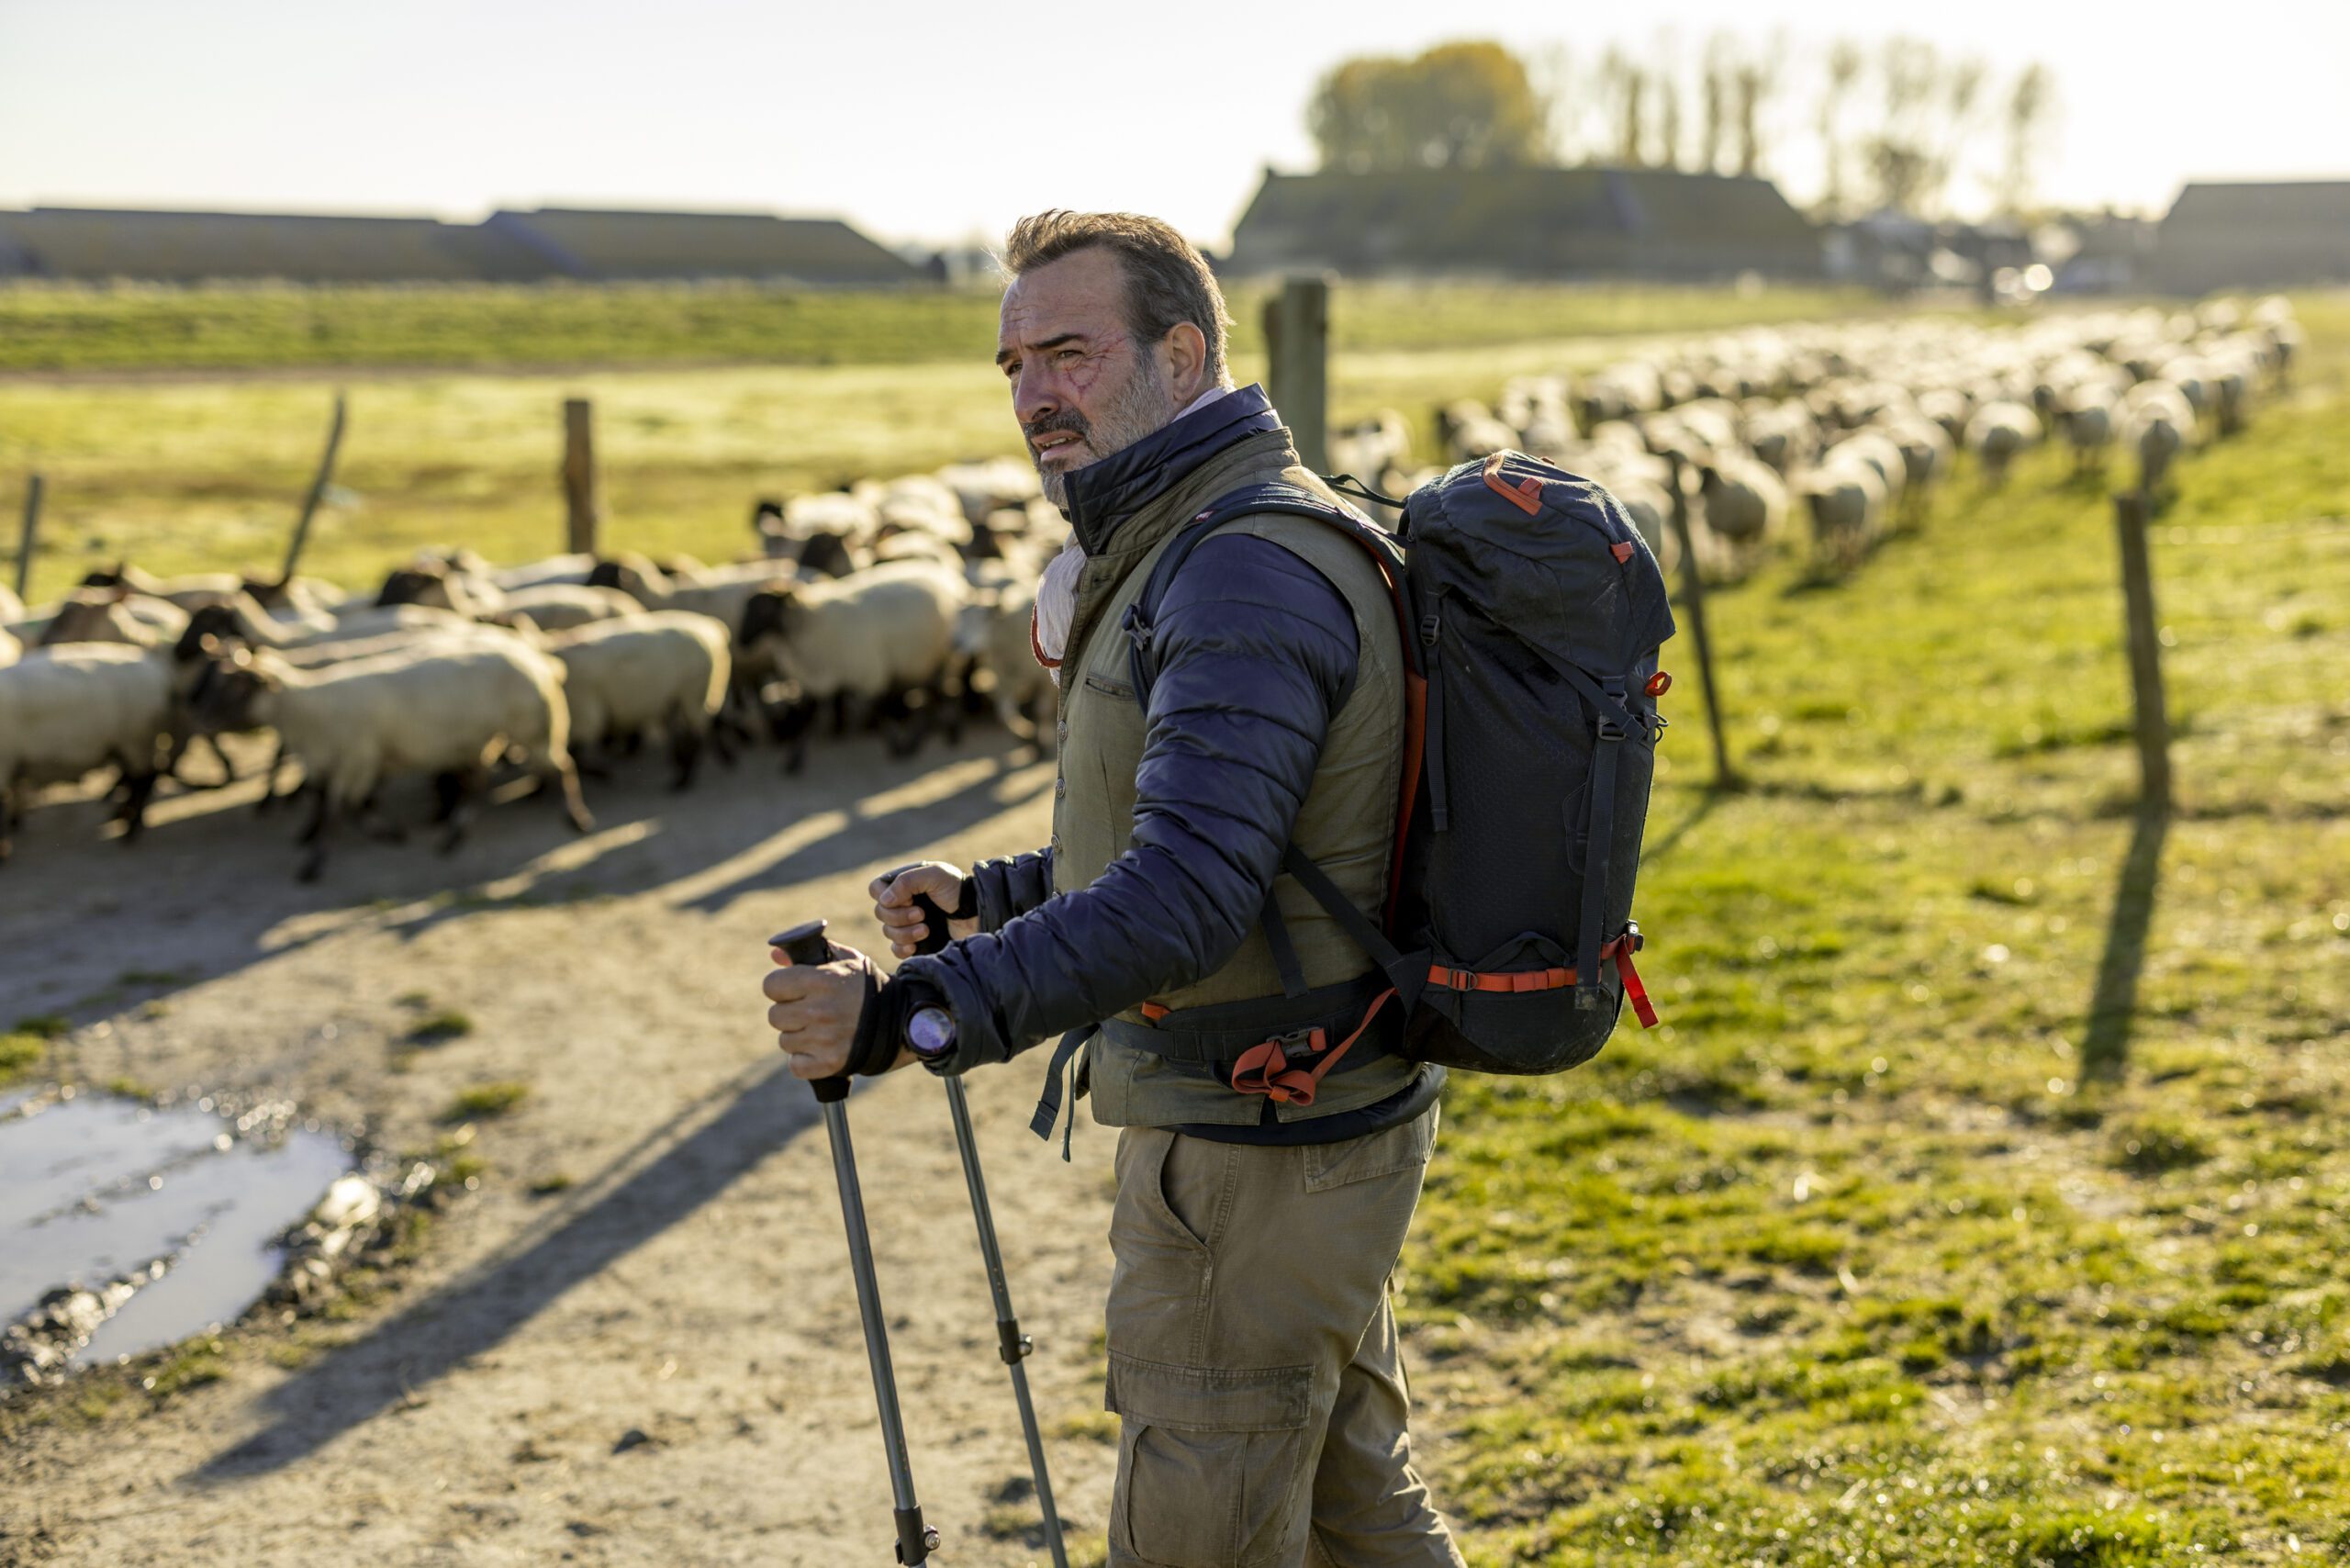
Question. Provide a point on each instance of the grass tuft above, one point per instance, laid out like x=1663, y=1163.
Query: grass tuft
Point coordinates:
x=480, y=1102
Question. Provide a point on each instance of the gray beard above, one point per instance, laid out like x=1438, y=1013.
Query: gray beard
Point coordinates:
x=1142, y=408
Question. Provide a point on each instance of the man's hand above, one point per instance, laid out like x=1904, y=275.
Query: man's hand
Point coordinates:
x=893, y=904
x=815, y=1012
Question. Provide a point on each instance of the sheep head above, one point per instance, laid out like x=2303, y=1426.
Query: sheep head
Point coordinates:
x=774, y=612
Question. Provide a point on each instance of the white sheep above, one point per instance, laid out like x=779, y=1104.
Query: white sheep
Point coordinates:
x=2089, y=430
x=114, y=615
x=69, y=710
x=880, y=636
x=995, y=632
x=1846, y=498
x=452, y=711
x=666, y=670
x=562, y=607
x=2157, y=424
x=1745, y=501
x=1998, y=434
x=553, y=570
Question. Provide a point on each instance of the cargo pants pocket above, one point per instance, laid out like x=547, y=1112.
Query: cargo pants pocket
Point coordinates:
x=1210, y=1463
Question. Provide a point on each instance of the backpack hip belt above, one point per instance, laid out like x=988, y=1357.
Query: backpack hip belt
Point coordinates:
x=1280, y=1047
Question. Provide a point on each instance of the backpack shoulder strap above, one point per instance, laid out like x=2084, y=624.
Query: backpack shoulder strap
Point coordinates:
x=1142, y=616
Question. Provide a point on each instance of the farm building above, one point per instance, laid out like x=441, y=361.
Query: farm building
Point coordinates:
x=94, y=245
x=1524, y=223
x=2256, y=234
x=89, y=244
x=613, y=247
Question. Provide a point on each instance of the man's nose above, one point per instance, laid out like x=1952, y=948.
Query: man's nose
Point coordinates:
x=1034, y=396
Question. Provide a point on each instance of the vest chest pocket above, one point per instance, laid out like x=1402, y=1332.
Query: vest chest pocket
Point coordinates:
x=1108, y=687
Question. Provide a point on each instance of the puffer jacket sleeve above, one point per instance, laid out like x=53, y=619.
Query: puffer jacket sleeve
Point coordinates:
x=1011, y=886
x=1256, y=651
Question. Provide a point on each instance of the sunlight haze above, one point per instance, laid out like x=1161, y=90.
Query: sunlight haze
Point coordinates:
x=943, y=124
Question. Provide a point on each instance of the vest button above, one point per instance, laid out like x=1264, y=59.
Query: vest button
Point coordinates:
x=1056, y=844
x=1060, y=789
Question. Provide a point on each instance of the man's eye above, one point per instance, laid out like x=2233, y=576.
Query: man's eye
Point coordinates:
x=1012, y=370
x=1067, y=356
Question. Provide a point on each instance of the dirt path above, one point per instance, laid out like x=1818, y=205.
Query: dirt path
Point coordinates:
x=689, y=1285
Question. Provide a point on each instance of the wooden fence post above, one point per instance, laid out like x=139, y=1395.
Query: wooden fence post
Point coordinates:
x=1693, y=598
x=1297, y=350
x=34, y=487
x=2146, y=652
x=582, y=512
x=317, y=493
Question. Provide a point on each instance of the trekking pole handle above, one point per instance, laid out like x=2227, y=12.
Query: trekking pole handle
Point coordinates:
x=806, y=945
x=934, y=921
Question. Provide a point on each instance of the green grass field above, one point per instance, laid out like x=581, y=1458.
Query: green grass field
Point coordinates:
x=205, y=473
x=128, y=326
x=1983, y=1199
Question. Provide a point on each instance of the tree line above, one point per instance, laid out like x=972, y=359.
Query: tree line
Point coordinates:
x=1890, y=123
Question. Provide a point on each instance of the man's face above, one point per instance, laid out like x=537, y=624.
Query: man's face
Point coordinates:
x=1080, y=384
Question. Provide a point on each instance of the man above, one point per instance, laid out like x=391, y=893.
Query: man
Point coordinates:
x=1253, y=1357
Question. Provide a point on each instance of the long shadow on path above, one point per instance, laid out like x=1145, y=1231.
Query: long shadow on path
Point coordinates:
x=360, y=1380
x=2114, y=1007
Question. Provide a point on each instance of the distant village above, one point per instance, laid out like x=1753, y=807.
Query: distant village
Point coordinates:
x=1520, y=223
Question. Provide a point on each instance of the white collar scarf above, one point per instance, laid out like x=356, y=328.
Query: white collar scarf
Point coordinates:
x=1057, y=593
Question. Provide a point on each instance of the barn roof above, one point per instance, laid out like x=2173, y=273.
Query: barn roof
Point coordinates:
x=1525, y=221
x=92, y=245
x=2255, y=234
x=612, y=245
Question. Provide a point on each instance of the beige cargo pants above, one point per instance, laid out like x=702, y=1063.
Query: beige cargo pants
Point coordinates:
x=1253, y=1359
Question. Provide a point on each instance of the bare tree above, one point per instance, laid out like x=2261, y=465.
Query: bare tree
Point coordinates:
x=1757, y=82
x=1843, y=70
x=1717, y=81
x=1668, y=103
x=1630, y=103
x=2029, y=105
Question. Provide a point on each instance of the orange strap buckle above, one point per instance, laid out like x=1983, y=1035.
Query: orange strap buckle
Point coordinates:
x=1265, y=1069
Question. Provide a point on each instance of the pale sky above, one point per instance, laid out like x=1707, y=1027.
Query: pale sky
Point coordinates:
x=945, y=121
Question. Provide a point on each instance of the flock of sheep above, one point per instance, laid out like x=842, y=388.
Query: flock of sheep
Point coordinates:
x=1848, y=428
x=894, y=603
x=904, y=604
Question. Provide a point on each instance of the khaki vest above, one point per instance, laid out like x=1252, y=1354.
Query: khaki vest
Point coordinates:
x=1346, y=825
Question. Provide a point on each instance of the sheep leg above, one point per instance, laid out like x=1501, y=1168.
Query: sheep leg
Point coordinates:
x=376, y=825
x=720, y=743
x=134, y=810
x=575, y=806
x=947, y=700
x=314, y=863
x=269, y=791
x=895, y=708
x=457, y=792
x=685, y=750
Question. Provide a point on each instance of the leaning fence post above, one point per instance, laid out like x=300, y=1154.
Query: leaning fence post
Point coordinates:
x=33, y=487
x=581, y=509
x=316, y=494
x=1297, y=351
x=1693, y=596
x=2146, y=652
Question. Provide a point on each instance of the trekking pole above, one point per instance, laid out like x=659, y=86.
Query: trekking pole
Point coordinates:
x=806, y=945
x=1011, y=1343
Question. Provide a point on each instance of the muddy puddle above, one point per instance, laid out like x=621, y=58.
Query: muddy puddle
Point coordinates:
x=166, y=1217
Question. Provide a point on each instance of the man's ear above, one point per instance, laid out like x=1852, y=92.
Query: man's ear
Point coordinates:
x=1184, y=356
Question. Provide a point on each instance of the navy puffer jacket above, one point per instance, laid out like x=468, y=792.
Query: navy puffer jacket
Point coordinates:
x=1256, y=653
